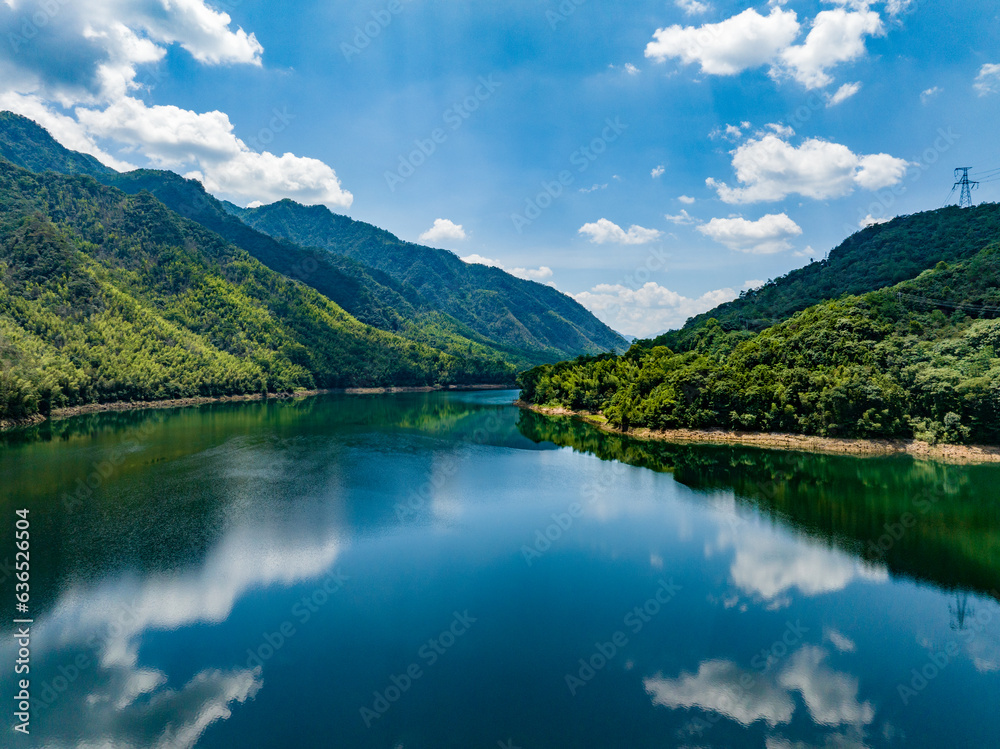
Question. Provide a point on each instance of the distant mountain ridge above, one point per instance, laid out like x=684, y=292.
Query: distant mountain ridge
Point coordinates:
x=427, y=295
x=873, y=258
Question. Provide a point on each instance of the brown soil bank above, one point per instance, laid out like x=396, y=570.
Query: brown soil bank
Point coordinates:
x=962, y=454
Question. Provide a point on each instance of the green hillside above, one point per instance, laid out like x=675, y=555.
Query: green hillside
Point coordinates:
x=511, y=311
x=436, y=299
x=920, y=359
x=874, y=258
x=108, y=297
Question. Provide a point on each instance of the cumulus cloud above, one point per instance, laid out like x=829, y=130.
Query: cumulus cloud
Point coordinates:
x=444, y=231
x=769, y=168
x=725, y=688
x=751, y=40
x=648, y=310
x=682, y=219
x=988, y=79
x=528, y=274
x=837, y=36
x=768, y=234
x=78, y=76
x=604, y=232
x=744, y=41
x=658, y=171
x=843, y=93
x=717, y=687
x=686, y=199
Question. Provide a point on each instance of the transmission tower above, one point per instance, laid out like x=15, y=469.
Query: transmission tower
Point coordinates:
x=962, y=179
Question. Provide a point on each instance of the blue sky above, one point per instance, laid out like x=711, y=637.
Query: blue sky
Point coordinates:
x=693, y=148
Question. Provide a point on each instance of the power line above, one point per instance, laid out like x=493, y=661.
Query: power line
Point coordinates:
x=962, y=178
x=949, y=305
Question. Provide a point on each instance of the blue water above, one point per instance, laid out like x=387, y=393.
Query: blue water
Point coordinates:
x=443, y=570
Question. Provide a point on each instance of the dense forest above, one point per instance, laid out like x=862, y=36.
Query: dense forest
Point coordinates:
x=519, y=314
x=110, y=297
x=425, y=295
x=920, y=359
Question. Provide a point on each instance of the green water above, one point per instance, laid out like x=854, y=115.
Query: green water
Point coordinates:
x=444, y=570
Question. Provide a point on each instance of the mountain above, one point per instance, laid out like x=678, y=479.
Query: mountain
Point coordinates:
x=27, y=144
x=514, y=312
x=426, y=295
x=874, y=258
x=920, y=359
x=106, y=296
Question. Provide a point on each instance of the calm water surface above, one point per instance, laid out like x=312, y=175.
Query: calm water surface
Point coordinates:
x=443, y=570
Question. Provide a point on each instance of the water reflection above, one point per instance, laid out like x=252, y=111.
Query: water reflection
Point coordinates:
x=162, y=596
x=931, y=521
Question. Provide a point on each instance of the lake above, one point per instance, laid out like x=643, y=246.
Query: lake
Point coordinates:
x=445, y=570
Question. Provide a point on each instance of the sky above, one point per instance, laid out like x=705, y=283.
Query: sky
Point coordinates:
x=652, y=159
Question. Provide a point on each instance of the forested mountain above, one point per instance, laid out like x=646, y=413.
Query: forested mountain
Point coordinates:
x=919, y=359
x=106, y=296
x=874, y=258
x=426, y=295
x=506, y=309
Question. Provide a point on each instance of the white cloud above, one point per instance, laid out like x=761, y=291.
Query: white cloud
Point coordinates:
x=528, y=274
x=658, y=171
x=725, y=688
x=770, y=169
x=719, y=687
x=78, y=80
x=750, y=40
x=927, y=95
x=682, y=219
x=837, y=36
x=595, y=188
x=604, y=231
x=842, y=642
x=988, y=80
x=631, y=69
x=768, y=234
x=648, y=310
x=204, y=147
x=870, y=220
x=843, y=93
x=687, y=200
x=897, y=7
x=830, y=696
x=444, y=231
x=693, y=7
x=747, y=40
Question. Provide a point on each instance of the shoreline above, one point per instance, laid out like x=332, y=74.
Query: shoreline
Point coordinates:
x=69, y=412
x=957, y=454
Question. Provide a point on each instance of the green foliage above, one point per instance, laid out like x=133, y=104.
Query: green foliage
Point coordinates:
x=111, y=297
x=527, y=319
x=877, y=365
x=872, y=259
